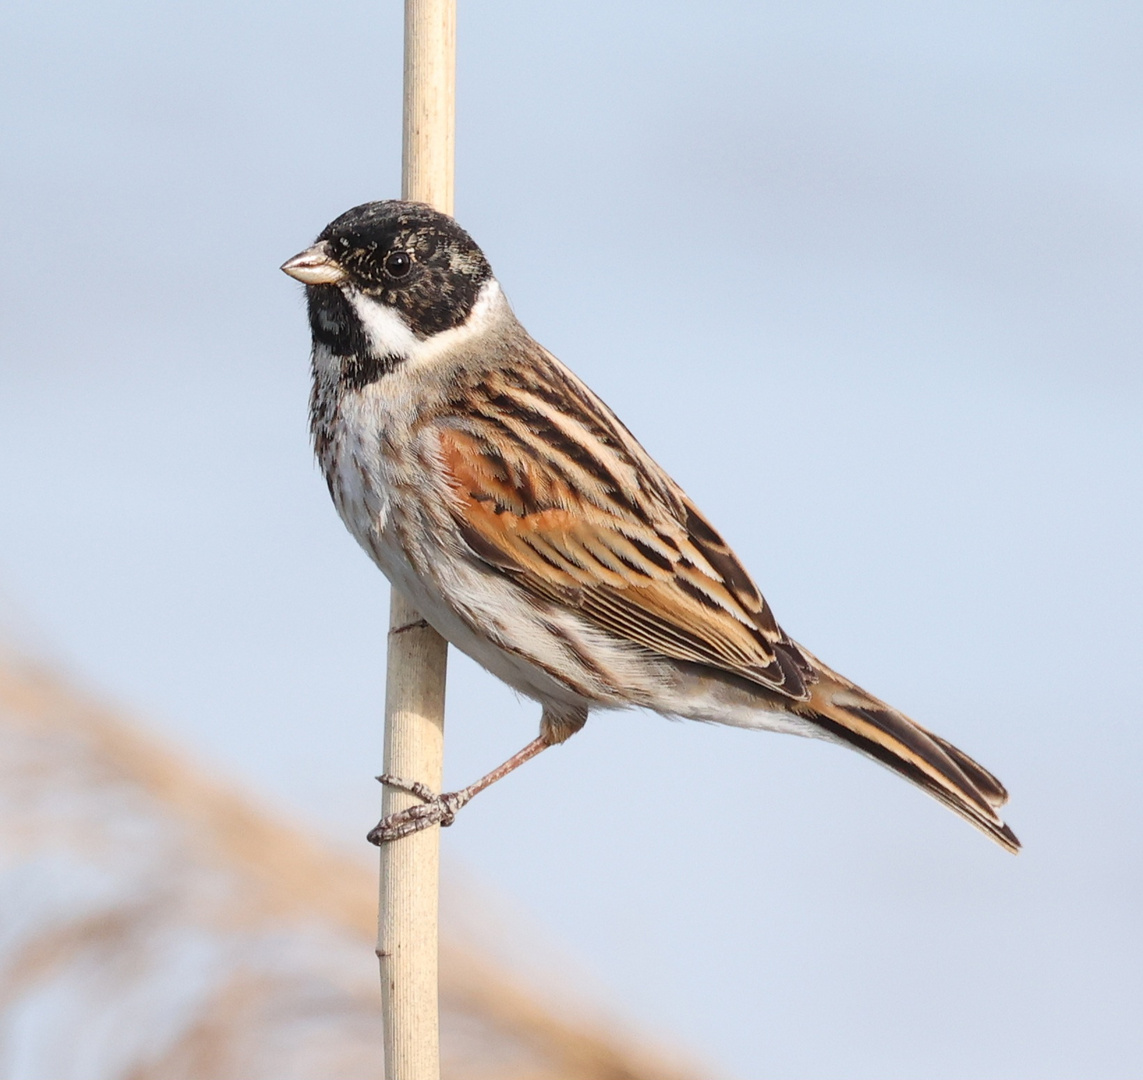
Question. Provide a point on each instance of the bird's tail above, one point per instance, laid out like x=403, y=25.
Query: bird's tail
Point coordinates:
x=851, y=716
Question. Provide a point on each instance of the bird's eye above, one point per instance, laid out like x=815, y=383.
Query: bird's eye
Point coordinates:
x=398, y=263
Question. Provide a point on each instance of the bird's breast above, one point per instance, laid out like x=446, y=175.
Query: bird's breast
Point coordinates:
x=368, y=441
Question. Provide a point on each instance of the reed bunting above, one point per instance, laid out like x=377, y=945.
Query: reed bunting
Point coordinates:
x=531, y=529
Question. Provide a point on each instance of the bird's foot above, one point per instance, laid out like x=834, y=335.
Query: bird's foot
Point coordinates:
x=433, y=809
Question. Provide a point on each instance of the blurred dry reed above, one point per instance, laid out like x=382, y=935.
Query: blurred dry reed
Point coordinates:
x=156, y=925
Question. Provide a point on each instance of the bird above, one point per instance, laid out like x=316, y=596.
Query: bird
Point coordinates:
x=530, y=528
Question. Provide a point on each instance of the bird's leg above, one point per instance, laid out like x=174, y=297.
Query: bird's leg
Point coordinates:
x=441, y=810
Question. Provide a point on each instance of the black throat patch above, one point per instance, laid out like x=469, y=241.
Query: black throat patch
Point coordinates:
x=334, y=324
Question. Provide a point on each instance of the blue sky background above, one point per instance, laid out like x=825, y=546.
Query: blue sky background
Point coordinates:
x=864, y=276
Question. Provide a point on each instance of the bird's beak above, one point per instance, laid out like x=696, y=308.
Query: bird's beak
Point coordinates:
x=315, y=266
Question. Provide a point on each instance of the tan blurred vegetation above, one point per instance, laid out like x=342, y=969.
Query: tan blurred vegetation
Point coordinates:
x=156, y=925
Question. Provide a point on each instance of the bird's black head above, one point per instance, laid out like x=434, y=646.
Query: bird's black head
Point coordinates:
x=405, y=256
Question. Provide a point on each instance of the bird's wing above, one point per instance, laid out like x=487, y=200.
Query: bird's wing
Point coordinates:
x=551, y=489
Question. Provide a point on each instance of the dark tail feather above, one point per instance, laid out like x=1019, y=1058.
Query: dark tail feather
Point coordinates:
x=984, y=782
x=849, y=715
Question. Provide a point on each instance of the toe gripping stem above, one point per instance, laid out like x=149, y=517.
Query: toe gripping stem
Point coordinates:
x=433, y=809
x=441, y=810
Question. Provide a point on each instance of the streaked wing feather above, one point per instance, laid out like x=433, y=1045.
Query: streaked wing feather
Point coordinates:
x=551, y=488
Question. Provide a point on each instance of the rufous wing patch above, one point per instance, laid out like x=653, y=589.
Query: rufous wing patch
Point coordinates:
x=628, y=565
